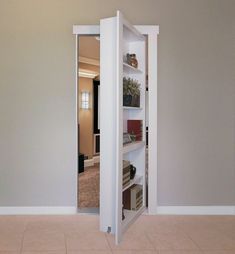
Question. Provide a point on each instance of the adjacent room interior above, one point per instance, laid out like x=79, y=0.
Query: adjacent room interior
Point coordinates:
x=88, y=123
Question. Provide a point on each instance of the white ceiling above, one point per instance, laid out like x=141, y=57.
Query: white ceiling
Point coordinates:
x=89, y=47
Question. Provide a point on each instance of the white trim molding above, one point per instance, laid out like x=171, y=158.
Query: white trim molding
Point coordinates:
x=152, y=33
x=196, y=210
x=92, y=161
x=85, y=73
x=37, y=210
x=87, y=60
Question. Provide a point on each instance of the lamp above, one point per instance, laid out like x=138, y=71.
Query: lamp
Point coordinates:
x=85, y=100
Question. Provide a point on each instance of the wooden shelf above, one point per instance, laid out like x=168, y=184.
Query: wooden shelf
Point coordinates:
x=130, y=69
x=136, y=180
x=135, y=108
x=130, y=217
x=133, y=146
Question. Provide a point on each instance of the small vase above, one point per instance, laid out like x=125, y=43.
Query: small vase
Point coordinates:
x=131, y=60
x=132, y=172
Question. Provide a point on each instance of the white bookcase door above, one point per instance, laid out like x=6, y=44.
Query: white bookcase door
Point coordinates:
x=117, y=38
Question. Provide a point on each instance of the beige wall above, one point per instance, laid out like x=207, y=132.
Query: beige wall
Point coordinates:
x=85, y=117
x=196, y=98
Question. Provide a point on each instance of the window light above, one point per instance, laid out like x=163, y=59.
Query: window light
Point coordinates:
x=85, y=100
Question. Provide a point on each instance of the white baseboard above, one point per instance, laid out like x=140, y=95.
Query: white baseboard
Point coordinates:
x=167, y=210
x=96, y=159
x=37, y=210
x=91, y=162
x=88, y=163
x=196, y=210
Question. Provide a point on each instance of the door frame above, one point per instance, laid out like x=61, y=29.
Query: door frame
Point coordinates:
x=152, y=32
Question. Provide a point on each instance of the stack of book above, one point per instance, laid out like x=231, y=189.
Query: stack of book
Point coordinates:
x=133, y=197
x=126, y=173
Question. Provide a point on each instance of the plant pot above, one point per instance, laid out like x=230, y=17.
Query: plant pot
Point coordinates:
x=135, y=102
x=127, y=100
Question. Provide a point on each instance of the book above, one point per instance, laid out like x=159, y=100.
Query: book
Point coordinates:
x=135, y=127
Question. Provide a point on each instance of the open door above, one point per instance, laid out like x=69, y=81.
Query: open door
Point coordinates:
x=122, y=125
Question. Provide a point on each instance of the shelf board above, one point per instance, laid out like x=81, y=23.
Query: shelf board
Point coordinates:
x=130, y=69
x=134, y=108
x=133, y=146
x=130, y=217
x=130, y=33
x=136, y=180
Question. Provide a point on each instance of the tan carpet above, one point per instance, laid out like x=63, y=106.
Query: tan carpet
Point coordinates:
x=89, y=187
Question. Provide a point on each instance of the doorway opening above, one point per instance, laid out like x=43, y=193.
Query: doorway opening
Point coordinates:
x=88, y=87
x=88, y=105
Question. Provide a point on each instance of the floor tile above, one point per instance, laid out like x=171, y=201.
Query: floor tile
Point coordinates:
x=219, y=252
x=135, y=252
x=155, y=224
x=13, y=224
x=10, y=241
x=48, y=224
x=81, y=223
x=43, y=252
x=86, y=241
x=172, y=242
x=227, y=228
x=131, y=241
x=212, y=240
x=90, y=252
x=180, y=252
x=9, y=252
x=43, y=241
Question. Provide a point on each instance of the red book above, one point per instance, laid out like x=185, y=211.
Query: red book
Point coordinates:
x=135, y=127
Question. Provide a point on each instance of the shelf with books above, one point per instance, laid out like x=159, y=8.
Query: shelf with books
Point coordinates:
x=133, y=146
x=137, y=179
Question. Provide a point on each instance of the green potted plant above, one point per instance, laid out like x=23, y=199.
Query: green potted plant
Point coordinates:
x=131, y=92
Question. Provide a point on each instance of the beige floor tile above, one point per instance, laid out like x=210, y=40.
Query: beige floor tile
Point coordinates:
x=9, y=252
x=227, y=228
x=13, y=224
x=172, y=242
x=43, y=252
x=86, y=241
x=131, y=241
x=188, y=224
x=90, y=252
x=212, y=240
x=66, y=224
x=81, y=223
x=155, y=224
x=10, y=241
x=135, y=252
x=219, y=252
x=180, y=252
x=43, y=241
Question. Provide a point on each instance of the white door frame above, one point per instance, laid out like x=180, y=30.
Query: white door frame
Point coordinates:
x=152, y=33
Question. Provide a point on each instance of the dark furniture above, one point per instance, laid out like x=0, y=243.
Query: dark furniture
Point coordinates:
x=81, y=163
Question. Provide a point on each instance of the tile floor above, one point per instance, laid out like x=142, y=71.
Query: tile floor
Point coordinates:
x=79, y=234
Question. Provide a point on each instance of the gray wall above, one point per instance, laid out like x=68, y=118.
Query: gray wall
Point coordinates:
x=196, y=98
